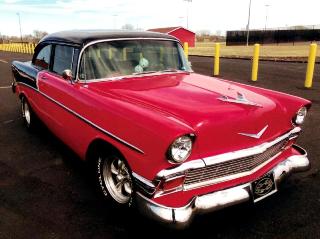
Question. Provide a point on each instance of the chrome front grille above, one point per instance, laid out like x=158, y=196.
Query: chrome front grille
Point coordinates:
x=232, y=167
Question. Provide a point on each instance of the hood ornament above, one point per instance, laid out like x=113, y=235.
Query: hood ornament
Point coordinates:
x=258, y=135
x=241, y=99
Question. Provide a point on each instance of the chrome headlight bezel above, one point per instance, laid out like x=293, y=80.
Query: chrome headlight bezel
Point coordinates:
x=180, y=149
x=300, y=116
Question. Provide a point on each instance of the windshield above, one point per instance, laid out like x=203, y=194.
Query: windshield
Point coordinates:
x=131, y=57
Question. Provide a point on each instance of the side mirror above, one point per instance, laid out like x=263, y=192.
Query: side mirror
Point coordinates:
x=67, y=75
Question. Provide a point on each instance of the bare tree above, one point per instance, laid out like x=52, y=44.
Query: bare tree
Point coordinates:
x=127, y=26
x=38, y=35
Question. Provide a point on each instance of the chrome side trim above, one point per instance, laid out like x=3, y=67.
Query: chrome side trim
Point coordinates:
x=116, y=39
x=181, y=217
x=167, y=173
x=198, y=163
x=143, y=180
x=86, y=120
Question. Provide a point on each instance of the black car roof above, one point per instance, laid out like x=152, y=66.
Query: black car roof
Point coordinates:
x=81, y=37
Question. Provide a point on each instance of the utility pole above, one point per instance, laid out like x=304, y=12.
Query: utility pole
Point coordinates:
x=265, y=24
x=188, y=1
x=20, y=26
x=248, y=25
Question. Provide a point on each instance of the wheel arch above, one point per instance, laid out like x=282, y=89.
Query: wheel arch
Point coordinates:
x=101, y=144
x=22, y=94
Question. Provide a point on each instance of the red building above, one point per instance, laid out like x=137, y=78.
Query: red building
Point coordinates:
x=183, y=34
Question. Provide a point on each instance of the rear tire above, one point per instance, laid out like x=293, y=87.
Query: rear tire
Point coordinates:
x=28, y=115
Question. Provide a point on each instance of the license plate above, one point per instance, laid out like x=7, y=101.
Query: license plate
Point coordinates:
x=263, y=187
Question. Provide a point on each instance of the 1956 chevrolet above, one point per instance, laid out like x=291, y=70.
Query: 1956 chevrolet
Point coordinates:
x=169, y=141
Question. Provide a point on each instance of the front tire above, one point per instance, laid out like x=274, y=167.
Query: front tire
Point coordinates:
x=114, y=179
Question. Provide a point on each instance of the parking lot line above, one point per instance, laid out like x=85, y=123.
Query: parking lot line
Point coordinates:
x=5, y=87
x=3, y=61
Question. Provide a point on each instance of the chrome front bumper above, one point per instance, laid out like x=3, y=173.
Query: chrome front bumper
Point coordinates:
x=182, y=216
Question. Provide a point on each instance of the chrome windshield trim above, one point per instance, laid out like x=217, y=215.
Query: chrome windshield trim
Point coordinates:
x=198, y=163
x=109, y=79
x=116, y=39
x=111, y=135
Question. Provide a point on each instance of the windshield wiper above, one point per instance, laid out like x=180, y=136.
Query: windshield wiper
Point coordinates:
x=170, y=70
x=173, y=70
x=144, y=72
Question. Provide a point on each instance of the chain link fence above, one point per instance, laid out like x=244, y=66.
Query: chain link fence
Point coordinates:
x=309, y=33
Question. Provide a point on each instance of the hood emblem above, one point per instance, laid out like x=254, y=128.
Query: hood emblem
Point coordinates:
x=241, y=99
x=258, y=135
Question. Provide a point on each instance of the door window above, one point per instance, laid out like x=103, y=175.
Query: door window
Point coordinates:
x=63, y=58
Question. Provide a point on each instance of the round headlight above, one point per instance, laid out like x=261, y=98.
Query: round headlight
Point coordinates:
x=180, y=149
x=300, y=116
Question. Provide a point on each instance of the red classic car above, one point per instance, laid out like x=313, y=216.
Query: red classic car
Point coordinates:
x=169, y=141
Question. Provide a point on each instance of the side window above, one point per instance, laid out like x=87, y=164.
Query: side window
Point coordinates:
x=63, y=57
x=42, y=60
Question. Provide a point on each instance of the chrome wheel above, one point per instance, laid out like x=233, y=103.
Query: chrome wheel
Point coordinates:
x=117, y=179
x=26, y=114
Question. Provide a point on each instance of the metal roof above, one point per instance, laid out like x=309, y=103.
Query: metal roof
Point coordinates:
x=81, y=37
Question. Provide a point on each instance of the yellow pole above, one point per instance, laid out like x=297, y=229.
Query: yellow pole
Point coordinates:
x=124, y=53
x=255, y=62
x=216, y=68
x=110, y=53
x=310, y=66
x=186, y=49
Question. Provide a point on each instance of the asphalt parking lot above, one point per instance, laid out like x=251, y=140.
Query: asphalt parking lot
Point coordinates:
x=46, y=192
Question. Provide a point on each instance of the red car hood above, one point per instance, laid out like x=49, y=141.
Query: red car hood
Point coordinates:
x=193, y=99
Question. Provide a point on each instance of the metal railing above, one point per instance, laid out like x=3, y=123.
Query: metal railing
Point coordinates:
x=27, y=48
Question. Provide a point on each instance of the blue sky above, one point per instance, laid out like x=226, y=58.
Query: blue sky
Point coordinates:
x=56, y=15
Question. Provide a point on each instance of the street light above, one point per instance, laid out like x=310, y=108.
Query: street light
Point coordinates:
x=248, y=27
x=265, y=24
x=20, y=26
x=188, y=1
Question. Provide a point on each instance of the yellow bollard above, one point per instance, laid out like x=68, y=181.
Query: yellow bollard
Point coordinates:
x=216, y=68
x=124, y=54
x=186, y=49
x=110, y=53
x=255, y=62
x=310, y=66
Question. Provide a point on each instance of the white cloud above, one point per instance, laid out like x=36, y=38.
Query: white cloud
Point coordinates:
x=203, y=14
